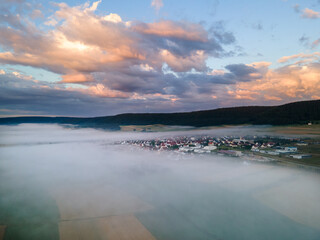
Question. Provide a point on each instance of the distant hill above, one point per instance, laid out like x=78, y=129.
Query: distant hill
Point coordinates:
x=292, y=113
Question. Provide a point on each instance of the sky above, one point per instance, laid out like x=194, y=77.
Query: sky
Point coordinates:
x=98, y=58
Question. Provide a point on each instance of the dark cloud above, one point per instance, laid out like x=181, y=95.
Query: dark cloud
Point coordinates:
x=218, y=32
x=59, y=101
x=257, y=26
x=296, y=8
x=304, y=40
x=237, y=73
x=29, y=98
x=240, y=70
x=183, y=47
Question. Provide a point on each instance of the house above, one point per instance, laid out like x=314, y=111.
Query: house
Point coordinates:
x=301, y=144
x=270, y=144
x=255, y=148
x=291, y=149
x=210, y=148
x=272, y=153
x=198, y=150
x=233, y=145
x=283, y=151
x=301, y=156
x=231, y=153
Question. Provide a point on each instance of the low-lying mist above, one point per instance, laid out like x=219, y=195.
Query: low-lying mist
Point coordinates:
x=65, y=183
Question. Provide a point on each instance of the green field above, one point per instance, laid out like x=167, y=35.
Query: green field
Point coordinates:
x=27, y=212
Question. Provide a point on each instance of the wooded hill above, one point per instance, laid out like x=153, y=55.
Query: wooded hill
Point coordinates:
x=292, y=113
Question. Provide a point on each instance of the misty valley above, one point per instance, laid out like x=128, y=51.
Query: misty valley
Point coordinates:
x=59, y=182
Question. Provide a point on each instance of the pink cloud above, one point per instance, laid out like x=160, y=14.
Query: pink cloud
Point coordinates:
x=142, y=61
x=76, y=78
x=309, y=13
x=100, y=90
x=82, y=41
x=181, y=64
x=310, y=57
x=157, y=4
x=165, y=28
x=315, y=43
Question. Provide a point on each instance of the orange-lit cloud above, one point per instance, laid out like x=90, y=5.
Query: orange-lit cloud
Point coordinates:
x=102, y=91
x=82, y=43
x=76, y=78
x=183, y=30
x=102, y=58
x=309, y=13
x=288, y=83
x=309, y=57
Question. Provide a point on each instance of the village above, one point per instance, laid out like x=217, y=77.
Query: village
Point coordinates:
x=228, y=145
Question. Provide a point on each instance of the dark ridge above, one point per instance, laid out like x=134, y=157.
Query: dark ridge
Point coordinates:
x=292, y=113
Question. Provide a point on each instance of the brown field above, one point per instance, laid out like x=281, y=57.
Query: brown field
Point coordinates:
x=92, y=201
x=298, y=130
x=2, y=231
x=111, y=228
x=153, y=128
x=138, y=128
x=99, y=212
x=298, y=206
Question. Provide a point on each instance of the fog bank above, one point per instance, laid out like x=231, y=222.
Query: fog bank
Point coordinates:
x=64, y=183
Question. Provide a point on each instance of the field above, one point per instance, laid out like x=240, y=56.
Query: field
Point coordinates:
x=273, y=198
x=125, y=227
x=153, y=128
x=2, y=230
x=297, y=129
x=103, y=201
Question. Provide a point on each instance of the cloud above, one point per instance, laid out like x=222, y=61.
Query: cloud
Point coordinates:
x=217, y=30
x=235, y=85
x=309, y=13
x=112, y=17
x=157, y=4
x=101, y=91
x=289, y=83
x=181, y=64
x=24, y=97
x=94, y=6
x=170, y=29
x=304, y=40
x=306, y=57
x=235, y=73
x=240, y=70
x=84, y=42
x=257, y=26
x=131, y=66
x=296, y=8
x=90, y=49
x=315, y=43
x=76, y=78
